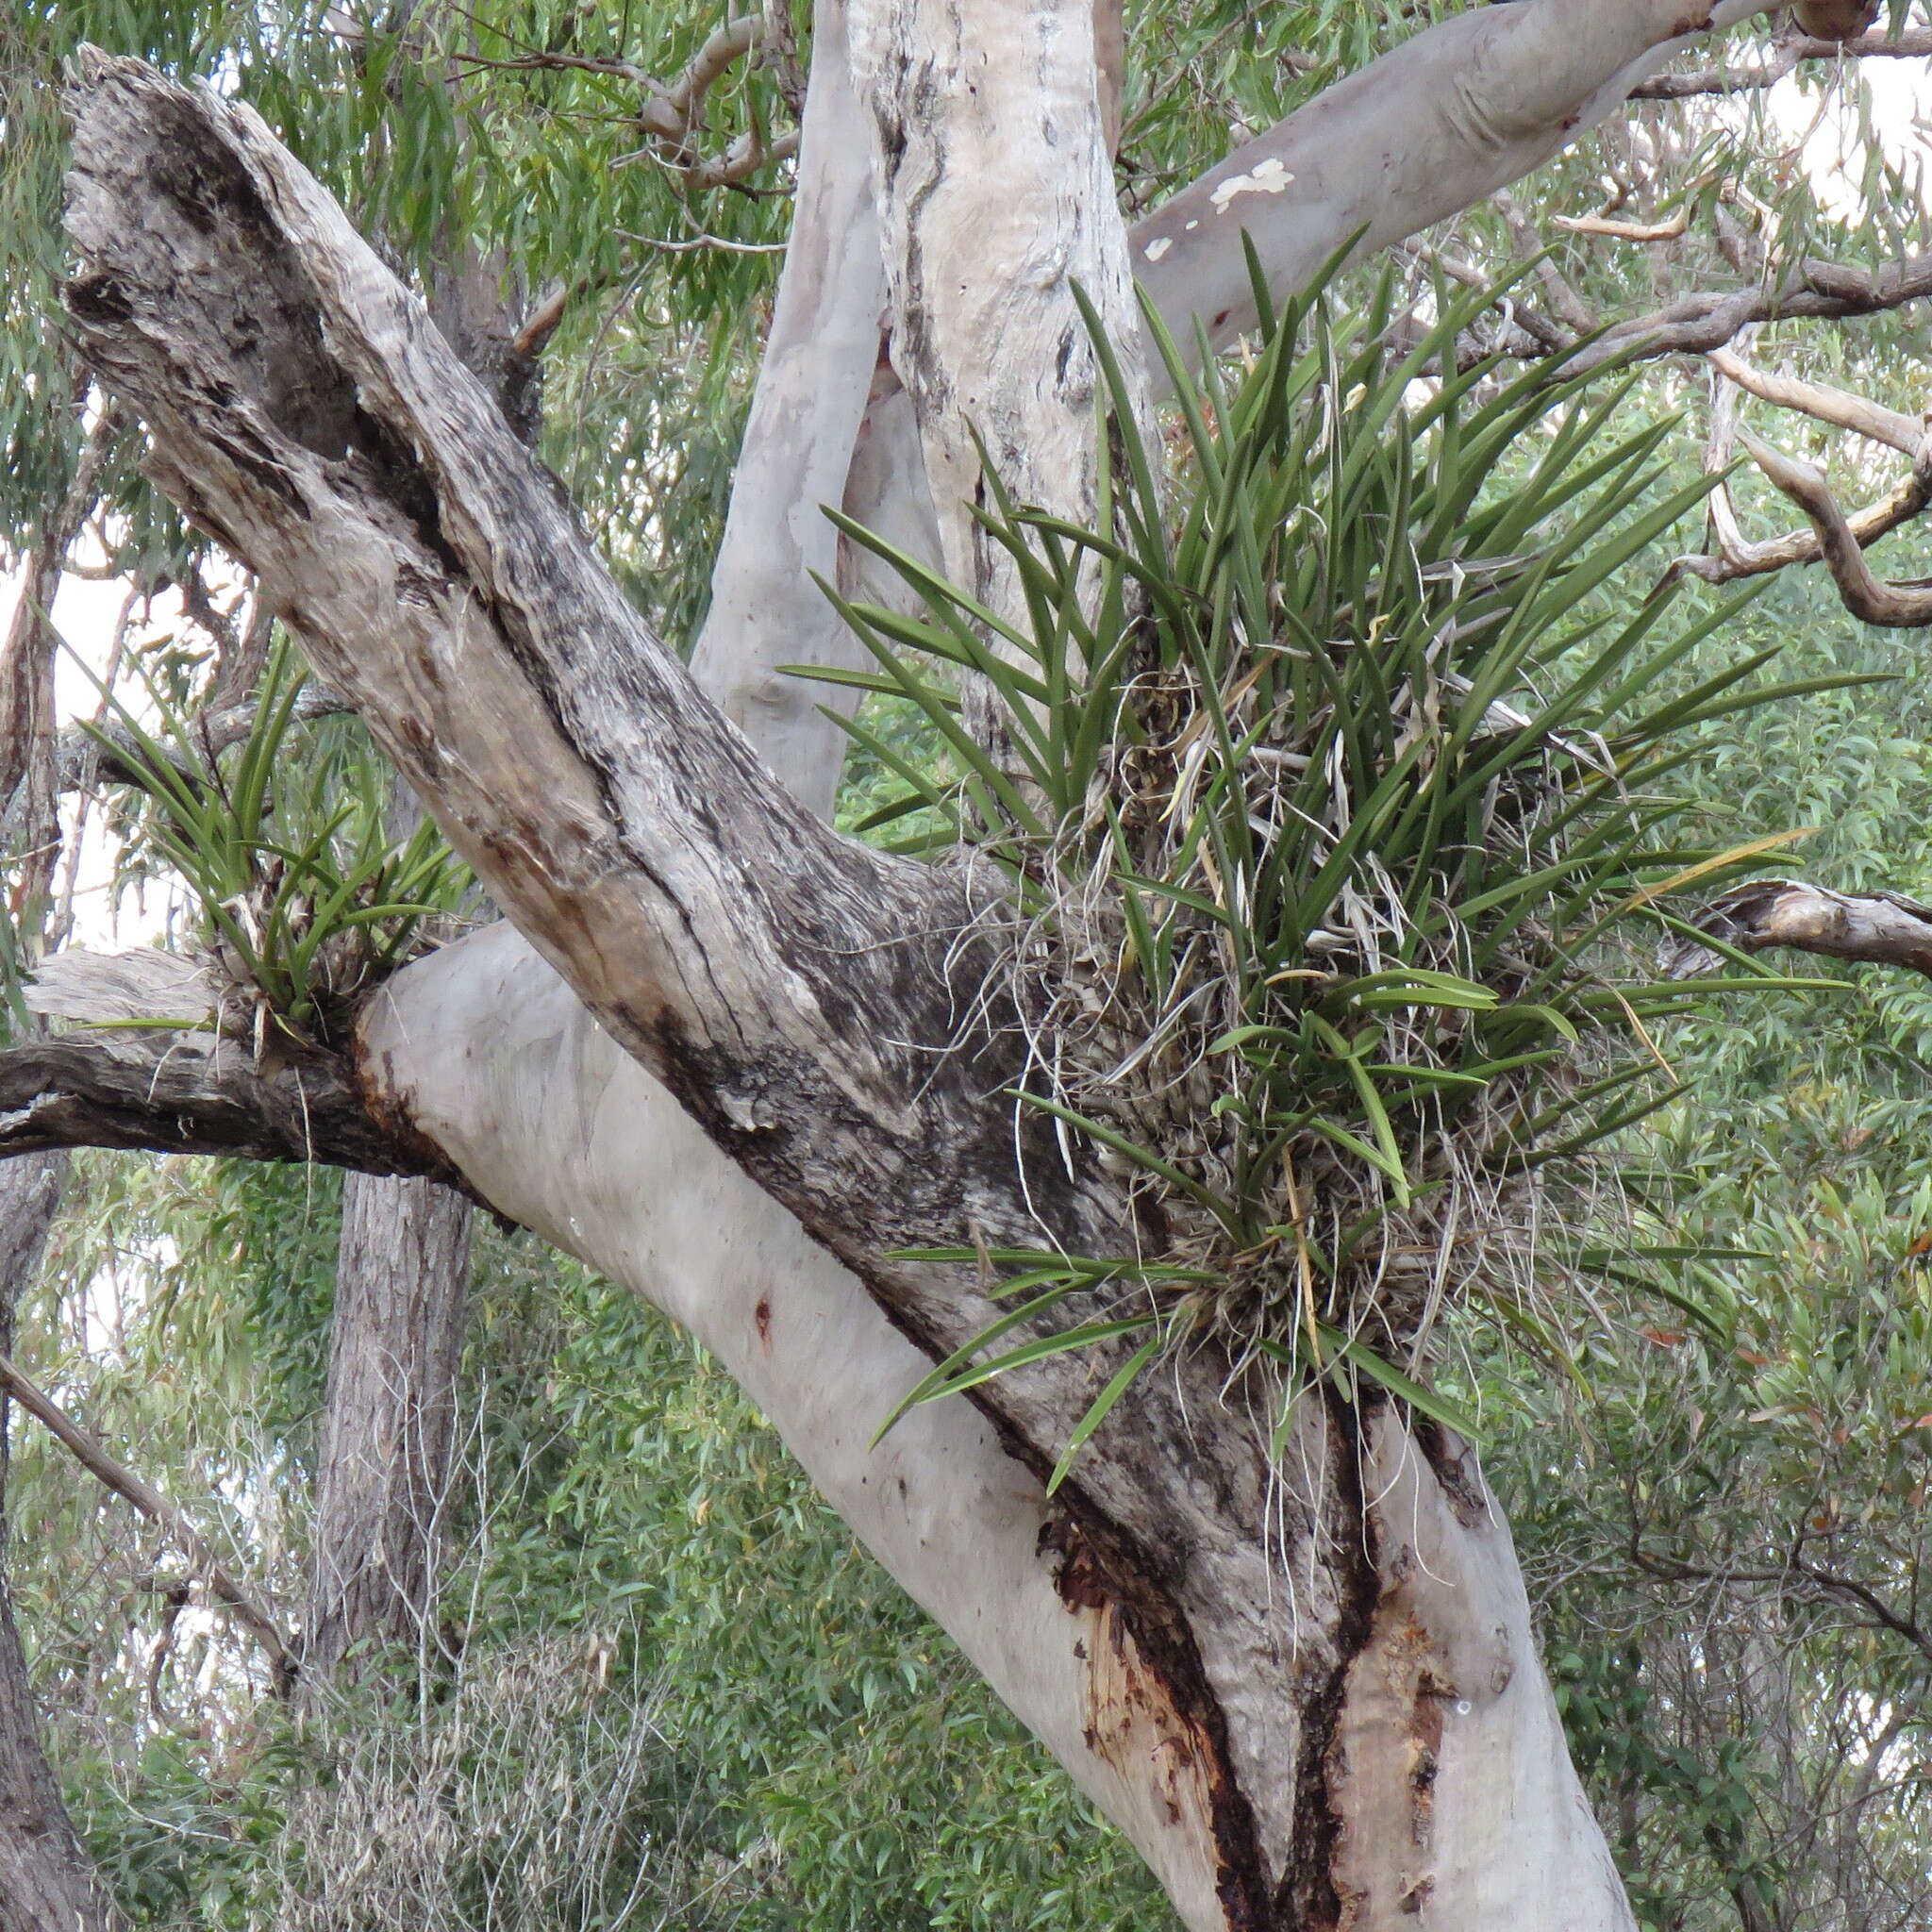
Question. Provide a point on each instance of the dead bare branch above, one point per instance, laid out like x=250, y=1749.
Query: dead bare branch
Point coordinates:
x=542, y=320
x=1667, y=230
x=150, y=1067
x=672, y=112
x=1798, y=1568
x=1834, y=405
x=1898, y=606
x=1874, y=928
x=1814, y=290
x=83, y=758
x=1722, y=78
x=1561, y=293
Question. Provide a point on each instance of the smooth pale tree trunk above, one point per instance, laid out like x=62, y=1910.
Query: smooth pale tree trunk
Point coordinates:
x=47, y=1882
x=1309, y=1695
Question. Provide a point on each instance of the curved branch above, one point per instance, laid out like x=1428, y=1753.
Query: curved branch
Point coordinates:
x=1739, y=557
x=1834, y=405
x=1899, y=606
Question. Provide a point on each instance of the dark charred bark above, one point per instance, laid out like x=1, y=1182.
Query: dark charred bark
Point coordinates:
x=196, y=1092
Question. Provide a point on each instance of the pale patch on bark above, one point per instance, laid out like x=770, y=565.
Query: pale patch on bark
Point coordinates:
x=1449, y=1768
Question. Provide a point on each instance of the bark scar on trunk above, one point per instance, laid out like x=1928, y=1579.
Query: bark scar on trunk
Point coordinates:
x=1147, y=1698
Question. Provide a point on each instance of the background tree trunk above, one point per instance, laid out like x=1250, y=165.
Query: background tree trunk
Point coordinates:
x=47, y=1882
x=382, y=1475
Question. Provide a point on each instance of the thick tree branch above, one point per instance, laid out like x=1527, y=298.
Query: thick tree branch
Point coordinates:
x=789, y=985
x=1463, y=109
x=803, y=998
x=815, y=385
x=149, y=1067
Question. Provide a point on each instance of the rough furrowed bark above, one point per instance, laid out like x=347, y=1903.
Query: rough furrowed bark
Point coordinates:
x=156, y=1070
x=794, y=988
x=389, y=1425
x=799, y=995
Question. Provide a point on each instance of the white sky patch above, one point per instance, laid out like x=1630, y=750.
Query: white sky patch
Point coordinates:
x=1266, y=177
x=1835, y=152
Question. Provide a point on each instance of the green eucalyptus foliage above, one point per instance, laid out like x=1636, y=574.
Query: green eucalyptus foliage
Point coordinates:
x=1318, y=798
x=671, y=1689
x=808, y=1753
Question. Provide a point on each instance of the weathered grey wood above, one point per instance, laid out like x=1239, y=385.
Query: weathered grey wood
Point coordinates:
x=1878, y=928
x=794, y=995
x=803, y=998
x=158, y=1070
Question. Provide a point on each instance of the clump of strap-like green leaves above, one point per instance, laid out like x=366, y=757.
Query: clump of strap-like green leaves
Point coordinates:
x=306, y=896
x=1327, y=772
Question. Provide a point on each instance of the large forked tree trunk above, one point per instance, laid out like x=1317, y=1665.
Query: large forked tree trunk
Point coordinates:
x=1309, y=1695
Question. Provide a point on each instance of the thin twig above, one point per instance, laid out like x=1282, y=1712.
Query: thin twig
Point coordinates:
x=157, y=1508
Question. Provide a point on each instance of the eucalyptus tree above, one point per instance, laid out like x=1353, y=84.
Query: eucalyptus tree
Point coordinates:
x=1248, y=922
